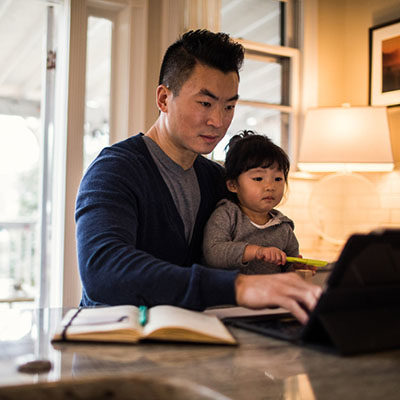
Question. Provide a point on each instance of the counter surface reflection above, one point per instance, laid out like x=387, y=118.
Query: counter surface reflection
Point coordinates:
x=259, y=368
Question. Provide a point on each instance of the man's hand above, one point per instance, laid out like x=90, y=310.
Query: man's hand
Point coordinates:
x=284, y=290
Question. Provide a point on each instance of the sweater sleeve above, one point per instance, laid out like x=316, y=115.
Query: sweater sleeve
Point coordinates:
x=114, y=270
x=219, y=248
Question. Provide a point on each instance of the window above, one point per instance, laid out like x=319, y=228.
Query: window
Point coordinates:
x=257, y=20
x=98, y=77
x=28, y=33
x=269, y=77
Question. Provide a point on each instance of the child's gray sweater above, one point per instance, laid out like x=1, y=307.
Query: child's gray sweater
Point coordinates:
x=229, y=231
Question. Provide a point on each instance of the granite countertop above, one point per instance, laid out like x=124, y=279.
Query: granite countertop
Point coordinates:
x=258, y=368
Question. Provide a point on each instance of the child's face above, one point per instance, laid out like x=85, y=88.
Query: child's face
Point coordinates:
x=259, y=190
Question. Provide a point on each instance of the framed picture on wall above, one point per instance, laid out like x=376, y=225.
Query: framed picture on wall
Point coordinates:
x=384, y=64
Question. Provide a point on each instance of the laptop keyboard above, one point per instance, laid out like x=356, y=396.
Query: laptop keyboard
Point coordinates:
x=287, y=326
x=282, y=326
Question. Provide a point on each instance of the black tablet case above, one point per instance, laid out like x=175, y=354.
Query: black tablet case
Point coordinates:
x=359, y=310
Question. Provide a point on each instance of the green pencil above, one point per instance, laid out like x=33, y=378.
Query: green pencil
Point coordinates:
x=307, y=261
x=142, y=315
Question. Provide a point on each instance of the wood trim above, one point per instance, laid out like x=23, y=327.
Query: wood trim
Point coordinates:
x=281, y=108
x=74, y=155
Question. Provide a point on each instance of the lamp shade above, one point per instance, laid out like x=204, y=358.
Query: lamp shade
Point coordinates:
x=346, y=138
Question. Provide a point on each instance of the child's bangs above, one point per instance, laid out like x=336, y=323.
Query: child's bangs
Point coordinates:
x=258, y=162
x=267, y=158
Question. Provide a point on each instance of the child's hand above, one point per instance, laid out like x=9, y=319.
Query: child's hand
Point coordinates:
x=272, y=255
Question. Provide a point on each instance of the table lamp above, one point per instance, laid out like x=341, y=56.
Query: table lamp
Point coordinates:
x=344, y=140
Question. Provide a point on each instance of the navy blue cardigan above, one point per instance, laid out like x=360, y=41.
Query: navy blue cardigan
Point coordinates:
x=130, y=237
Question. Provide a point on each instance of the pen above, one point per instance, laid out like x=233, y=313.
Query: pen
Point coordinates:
x=307, y=261
x=142, y=315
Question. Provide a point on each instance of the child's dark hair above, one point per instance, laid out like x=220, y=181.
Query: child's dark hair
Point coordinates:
x=216, y=50
x=249, y=150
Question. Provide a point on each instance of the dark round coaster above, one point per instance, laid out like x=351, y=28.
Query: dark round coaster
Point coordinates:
x=35, y=366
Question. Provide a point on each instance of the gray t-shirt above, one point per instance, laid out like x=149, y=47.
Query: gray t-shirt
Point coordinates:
x=182, y=184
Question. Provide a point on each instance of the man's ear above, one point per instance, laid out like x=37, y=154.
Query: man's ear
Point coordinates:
x=231, y=185
x=162, y=95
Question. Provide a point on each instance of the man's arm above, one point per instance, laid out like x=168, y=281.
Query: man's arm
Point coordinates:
x=130, y=240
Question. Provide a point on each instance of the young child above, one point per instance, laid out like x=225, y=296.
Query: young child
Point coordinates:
x=245, y=231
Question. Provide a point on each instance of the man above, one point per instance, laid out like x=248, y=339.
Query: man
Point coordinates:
x=143, y=203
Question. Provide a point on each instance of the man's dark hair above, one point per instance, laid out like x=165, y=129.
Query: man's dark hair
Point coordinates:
x=216, y=50
x=248, y=150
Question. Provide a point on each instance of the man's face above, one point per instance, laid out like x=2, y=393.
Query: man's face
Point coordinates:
x=199, y=116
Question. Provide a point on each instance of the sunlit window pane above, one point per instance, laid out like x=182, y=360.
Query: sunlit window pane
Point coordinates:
x=265, y=89
x=256, y=20
x=22, y=64
x=264, y=121
x=98, y=77
x=261, y=81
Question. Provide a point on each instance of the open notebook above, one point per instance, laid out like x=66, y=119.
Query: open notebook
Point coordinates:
x=359, y=310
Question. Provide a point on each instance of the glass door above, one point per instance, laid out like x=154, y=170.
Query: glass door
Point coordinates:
x=27, y=63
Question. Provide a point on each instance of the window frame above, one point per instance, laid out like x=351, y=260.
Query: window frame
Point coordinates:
x=127, y=115
x=290, y=58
